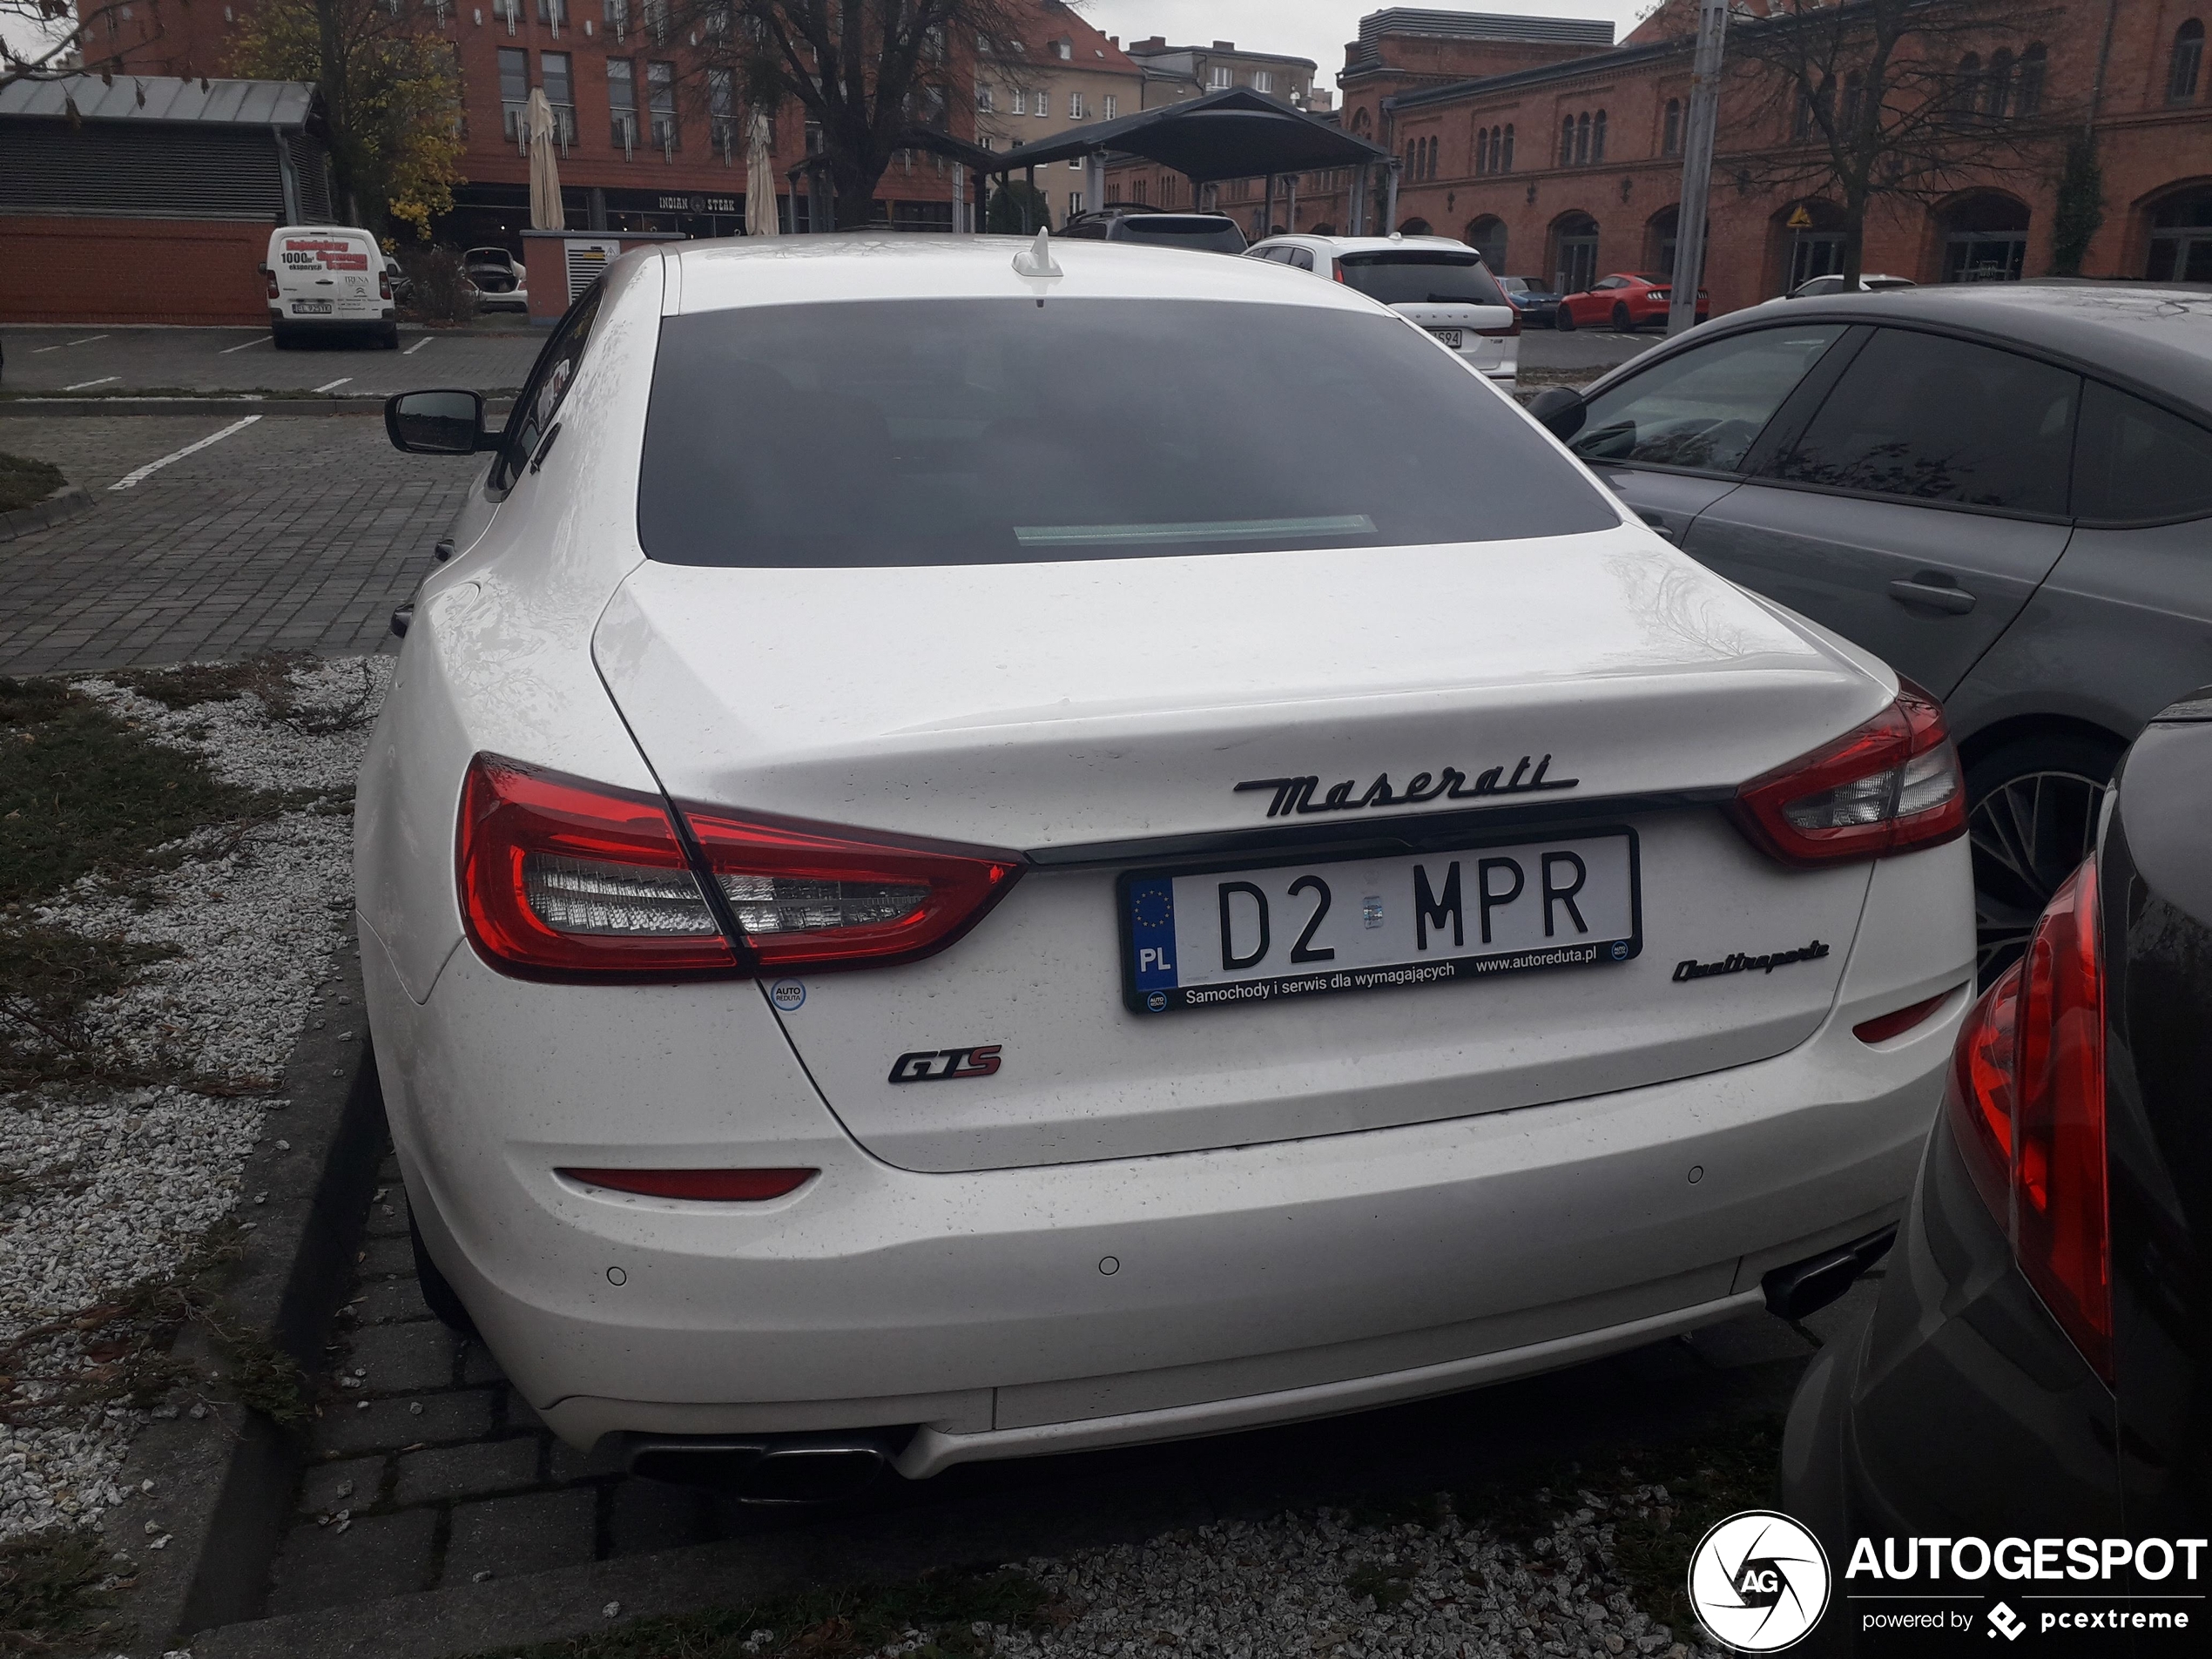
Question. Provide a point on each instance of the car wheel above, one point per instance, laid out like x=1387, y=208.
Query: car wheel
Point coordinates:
x=391, y=336
x=2031, y=819
x=281, y=337
x=1623, y=323
x=438, y=1294
x=1563, y=320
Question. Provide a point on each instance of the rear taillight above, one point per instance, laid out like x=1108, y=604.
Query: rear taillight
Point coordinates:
x=2026, y=1105
x=384, y=284
x=811, y=897
x=271, y=275
x=708, y=1186
x=564, y=879
x=1890, y=786
x=1507, y=332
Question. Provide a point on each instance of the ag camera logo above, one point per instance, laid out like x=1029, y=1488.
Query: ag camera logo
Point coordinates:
x=1759, y=1582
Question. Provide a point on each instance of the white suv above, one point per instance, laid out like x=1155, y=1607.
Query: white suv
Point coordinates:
x=1439, y=283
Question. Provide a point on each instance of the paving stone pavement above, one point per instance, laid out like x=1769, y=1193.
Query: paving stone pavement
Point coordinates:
x=287, y=535
x=53, y=359
x=426, y=1470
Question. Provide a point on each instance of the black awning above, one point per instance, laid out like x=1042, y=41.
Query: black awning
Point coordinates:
x=1238, y=134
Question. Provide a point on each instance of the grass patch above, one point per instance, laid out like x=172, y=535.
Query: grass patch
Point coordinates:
x=831, y=1624
x=47, y=976
x=24, y=482
x=50, y=1599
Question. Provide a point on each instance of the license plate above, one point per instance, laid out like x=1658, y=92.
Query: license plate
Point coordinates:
x=311, y=308
x=1221, y=937
x=1451, y=337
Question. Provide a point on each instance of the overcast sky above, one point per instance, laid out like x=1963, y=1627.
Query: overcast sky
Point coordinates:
x=1315, y=29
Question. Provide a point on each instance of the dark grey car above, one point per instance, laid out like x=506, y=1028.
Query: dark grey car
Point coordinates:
x=2005, y=491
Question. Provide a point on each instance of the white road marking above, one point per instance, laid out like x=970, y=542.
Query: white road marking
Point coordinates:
x=81, y=385
x=130, y=480
x=417, y=347
x=258, y=340
x=87, y=341
x=335, y=384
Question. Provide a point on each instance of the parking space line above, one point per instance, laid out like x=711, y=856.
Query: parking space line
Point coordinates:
x=258, y=340
x=417, y=347
x=87, y=341
x=335, y=384
x=132, y=479
x=81, y=385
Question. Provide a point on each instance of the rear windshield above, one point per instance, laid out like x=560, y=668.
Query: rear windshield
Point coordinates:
x=1412, y=277
x=1007, y=431
x=1214, y=235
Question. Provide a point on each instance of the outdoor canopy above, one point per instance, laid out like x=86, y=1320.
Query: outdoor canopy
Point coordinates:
x=1236, y=133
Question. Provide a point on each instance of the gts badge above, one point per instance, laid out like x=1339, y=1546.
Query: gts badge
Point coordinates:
x=942, y=1065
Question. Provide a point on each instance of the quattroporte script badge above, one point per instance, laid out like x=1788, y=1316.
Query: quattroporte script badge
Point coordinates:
x=1690, y=969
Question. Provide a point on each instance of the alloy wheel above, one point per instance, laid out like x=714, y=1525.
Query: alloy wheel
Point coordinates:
x=2028, y=834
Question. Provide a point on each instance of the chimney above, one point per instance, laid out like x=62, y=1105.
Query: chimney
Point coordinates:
x=1225, y=46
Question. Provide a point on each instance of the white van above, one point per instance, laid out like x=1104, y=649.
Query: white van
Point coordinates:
x=323, y=277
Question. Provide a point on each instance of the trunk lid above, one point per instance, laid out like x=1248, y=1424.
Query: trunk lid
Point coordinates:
x=1101, y=716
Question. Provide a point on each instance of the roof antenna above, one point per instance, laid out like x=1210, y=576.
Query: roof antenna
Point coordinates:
x=1035, y=260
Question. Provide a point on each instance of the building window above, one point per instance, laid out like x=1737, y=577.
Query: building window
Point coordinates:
x=1505, y=159
x=553, y=13
x=1076, y=165
x=1111, y=107
x=1997, y=86
x=1966, y=87
x=1261, y=81
x=1020, y=101
x=1597, y=138
x=1567, y=142
x=1074, y=106
x=660, y=100
x=1075, y=201
x=1854, y=99
x=1481, y=151
x=1136, y=191
x=1217, y=79
x=554, y=74
x=616, y=18
x=2030, y=102
x=621, y=103
x=1044, y=104
x=2188, y=60
x=514, y=91
x=1670, y=134
x=656, y=21
x=983, y=102
x=1583, y=138
x=722, y=113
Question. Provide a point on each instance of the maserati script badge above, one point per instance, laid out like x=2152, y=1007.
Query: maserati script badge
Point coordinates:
x=1293, y=797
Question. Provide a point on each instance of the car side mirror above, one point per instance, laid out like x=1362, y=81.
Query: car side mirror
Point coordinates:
x=1559, y=410
x=438, y=424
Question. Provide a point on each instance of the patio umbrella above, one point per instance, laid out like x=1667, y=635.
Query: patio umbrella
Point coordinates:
x=759, y=181
x=546, y=211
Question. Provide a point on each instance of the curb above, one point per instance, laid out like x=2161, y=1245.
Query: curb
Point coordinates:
x=223, y=1484
x=66, y=503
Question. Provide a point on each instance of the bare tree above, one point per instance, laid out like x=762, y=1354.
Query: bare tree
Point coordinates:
x=43, y=40
x=865, y=71
x=1887, y=100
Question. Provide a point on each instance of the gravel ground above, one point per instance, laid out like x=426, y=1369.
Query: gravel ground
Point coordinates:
x=115, y=1188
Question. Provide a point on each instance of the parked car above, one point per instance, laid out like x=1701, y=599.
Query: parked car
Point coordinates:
x=2004, y=491
x=402, y=284
x=1535, y=298
x=1813, y=287
x=1194, y=233
x=328, y=280
x=1156, y=911
x=2034, y=1364
x=500, y=280
x=1623, y=302
x=1433, y=281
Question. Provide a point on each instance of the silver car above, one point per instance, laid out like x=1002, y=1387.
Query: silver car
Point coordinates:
x=2004, y=490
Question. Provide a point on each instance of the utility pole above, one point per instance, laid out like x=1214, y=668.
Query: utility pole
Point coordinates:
x=1698, y=165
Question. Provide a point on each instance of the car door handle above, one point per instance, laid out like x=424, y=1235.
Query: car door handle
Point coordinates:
x=1659, y=525
x=1956, y=601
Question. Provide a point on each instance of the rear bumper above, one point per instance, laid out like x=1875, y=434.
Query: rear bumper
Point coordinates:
x=1025, y=1310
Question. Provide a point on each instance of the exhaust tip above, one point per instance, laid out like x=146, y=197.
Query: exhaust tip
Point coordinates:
x=1810, y=1286
x=769, y=1469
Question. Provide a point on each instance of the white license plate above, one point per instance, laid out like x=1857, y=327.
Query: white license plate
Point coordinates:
x=1452, y=337
x=311, y=308
x=1218, y=938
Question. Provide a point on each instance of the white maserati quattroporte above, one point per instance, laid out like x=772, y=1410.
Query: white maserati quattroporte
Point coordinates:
x=984, y=849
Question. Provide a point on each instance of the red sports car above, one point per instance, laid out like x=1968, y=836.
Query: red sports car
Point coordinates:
x=1624, y=302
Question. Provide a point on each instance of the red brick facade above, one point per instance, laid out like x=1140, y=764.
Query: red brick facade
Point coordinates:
x=1611, y=206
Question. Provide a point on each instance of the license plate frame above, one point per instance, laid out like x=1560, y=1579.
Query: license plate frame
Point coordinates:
x=312, y=307
x=1455, y=338
x=1143, y=994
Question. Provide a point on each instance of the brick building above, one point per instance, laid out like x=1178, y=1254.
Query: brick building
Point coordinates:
x=651, y=131
x=1558, y=152
x=1065, y=74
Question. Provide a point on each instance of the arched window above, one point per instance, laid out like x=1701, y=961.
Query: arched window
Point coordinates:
x=1362, y=121
x=1670, y=136
x=1582, y=137
x=1597, y=138
x=1428, y=158
x=2030, y=101
x=1997, y=86
x=1567, y=142
x=1854, y=98
x=1504, y=160
x=1965, y=87
x=2188, y=59
x=1801, y=116
x=1481, y=151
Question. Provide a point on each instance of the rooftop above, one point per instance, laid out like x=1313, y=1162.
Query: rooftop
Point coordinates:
x=161, y=97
